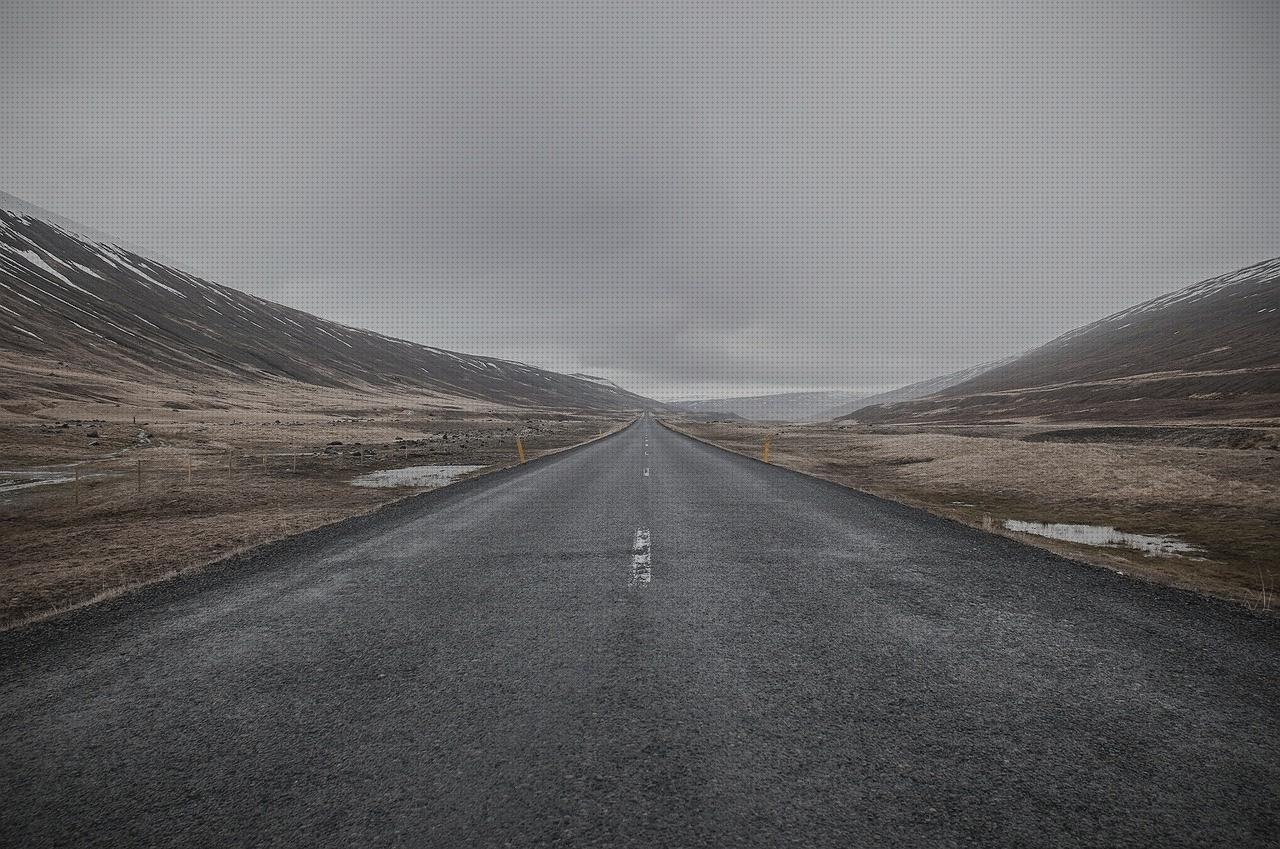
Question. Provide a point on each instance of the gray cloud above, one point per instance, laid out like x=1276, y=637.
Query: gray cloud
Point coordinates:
x=690, y=198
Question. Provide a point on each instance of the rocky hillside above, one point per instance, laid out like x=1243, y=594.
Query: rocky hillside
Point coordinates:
x=1209, y=351
x=64, y=297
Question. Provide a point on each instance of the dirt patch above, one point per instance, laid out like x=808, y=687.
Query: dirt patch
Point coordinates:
x=1223, y=501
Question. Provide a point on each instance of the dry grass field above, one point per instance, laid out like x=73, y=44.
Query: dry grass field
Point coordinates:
x=170, y=481
x=1162, y=481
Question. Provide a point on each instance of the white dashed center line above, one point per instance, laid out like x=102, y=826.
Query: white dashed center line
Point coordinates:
x=641, y=567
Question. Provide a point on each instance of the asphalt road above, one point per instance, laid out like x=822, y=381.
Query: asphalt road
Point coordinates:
x=487, y=665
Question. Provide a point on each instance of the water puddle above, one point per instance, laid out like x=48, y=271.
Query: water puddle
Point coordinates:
x=16, y=480
x=419, y=476
x=12, y=480
x=1103, y=536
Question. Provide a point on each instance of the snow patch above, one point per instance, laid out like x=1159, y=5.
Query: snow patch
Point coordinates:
x=1102, y=535
x=38, y=261
x=417, y=476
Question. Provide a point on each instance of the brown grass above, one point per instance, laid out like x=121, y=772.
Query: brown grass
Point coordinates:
x=58, y=554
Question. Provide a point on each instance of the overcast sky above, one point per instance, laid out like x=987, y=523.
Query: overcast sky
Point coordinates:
x=690, y=198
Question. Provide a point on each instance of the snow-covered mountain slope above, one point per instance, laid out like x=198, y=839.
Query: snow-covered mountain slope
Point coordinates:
x=1210, y=350
x=599, y=381
x=11, y=203
x=64, y=297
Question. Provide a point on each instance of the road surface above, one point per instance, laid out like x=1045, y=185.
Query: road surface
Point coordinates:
x=645, y=642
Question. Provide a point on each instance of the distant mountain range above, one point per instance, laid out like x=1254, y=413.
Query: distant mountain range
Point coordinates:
x=821, y=406
x=71, y=298
x=921, y=389
x=1209, y=351
x=783, y=407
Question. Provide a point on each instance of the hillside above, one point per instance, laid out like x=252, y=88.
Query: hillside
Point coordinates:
x=101, y=309
x=782, y=407
x=1210, y=351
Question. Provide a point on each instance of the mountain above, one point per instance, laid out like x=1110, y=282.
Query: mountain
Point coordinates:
x=107, y=310
x=599, y=381
x=13, y=204
x=784, y=407
x=916, y=390
x=1209, y=351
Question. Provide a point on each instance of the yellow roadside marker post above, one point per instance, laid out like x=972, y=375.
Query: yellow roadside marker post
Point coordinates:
x=768, y=443
x=520, y=448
